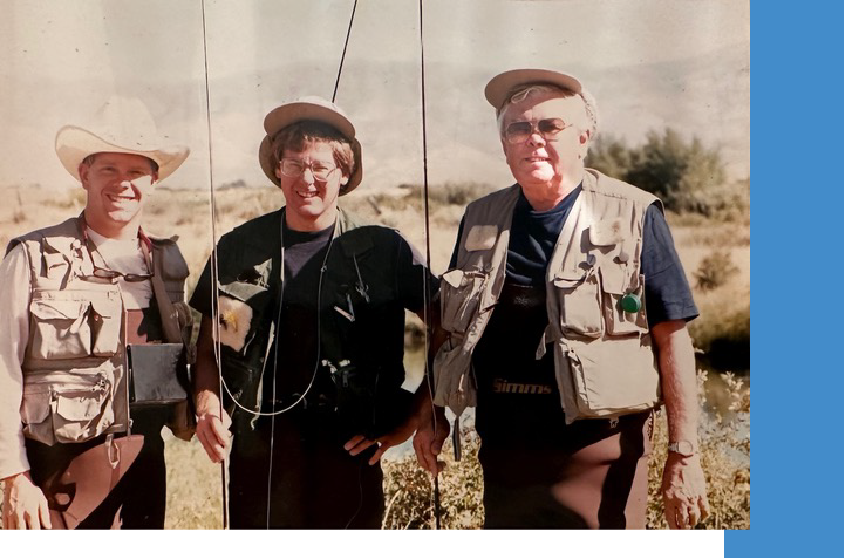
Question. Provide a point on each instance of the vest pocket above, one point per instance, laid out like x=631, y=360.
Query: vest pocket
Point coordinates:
x=616, y=285
x=611, y=378
x=106, y=325
x=68, y=406
x=60, y=329
x=580, y=304
x=461, y=295
x=453, y=379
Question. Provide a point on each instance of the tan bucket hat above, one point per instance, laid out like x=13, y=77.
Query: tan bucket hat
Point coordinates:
x=309, y=108
x=122, y=125
x=499, y=87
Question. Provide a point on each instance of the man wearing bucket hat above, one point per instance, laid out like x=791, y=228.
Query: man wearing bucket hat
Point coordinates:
x=77, y=298
x=586, y=266
x=309, y=305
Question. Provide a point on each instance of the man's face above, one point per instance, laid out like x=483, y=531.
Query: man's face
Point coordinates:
x=311, y=201
x=537, y=162
x=117, y=184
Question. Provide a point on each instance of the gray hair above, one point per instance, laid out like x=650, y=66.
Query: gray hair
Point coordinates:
x=529, y=90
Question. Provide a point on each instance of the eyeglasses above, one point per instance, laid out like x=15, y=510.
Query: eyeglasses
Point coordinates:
x=549, y=129
x=110, y=274
x=294, y=168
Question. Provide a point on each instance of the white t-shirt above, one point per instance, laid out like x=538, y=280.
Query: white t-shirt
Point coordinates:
x=126, y=256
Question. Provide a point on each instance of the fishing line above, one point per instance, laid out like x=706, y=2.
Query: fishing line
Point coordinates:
x=214, y=270
x=426, y=297
x=345, y=46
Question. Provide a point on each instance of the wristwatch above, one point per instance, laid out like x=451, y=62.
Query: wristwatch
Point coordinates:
x=683, y=447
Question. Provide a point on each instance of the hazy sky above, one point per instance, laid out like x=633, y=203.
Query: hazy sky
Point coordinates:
x=60, y=60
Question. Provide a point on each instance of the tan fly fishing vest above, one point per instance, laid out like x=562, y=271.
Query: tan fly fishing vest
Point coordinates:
x=73, y=369
x=603, y=359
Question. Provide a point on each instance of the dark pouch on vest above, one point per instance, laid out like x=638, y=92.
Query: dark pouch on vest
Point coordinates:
x=157, y=374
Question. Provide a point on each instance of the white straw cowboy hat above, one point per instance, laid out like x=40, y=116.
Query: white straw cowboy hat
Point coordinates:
x=122, y=125
x=499, y=88
x=309, y=108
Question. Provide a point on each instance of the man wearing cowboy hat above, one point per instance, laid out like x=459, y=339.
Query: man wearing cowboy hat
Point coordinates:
x=586, y=265
x=76, y=298
x=309, y=310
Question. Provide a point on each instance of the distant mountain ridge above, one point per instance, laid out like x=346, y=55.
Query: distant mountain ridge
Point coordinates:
x=707, y=95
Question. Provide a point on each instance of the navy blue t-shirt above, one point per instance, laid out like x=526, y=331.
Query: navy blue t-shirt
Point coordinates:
x=534, y=234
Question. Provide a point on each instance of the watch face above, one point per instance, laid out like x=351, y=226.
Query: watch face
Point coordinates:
x=685, y=448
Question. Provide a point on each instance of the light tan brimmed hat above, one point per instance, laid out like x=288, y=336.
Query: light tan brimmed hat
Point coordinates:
x=499, y=88
x=122, y=125
x=308, y=108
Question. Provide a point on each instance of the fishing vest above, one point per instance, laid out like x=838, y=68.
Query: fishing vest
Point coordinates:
x=361, y=317
x=74, y=386
x=603, y=359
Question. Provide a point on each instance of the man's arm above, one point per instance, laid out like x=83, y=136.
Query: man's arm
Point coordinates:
x=24, y=504
x=683, y=485
x=212, y=421
x=411, y=275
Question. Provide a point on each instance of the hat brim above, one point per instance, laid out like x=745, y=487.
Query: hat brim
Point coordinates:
x=499, y=87
x=299, y=111
x=73, y=144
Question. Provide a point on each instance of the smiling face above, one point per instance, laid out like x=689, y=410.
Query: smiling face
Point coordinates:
x=311, y=202
x=548, y=170
x=117, y=184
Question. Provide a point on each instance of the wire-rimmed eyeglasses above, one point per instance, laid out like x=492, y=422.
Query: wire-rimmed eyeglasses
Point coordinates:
x=548, y=128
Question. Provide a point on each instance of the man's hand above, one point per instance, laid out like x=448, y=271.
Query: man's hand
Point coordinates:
x=684, y=492
x=24, y=505
x=428, y=443
x=214, y=435
x=359, y=443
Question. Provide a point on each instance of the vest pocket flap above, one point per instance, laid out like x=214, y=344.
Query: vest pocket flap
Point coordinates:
x=579, y=302
x=58, y=309
x=107, y=308
x=106, y=326
x=59, y=329
x=614, y=279
x=460, y=293
x=73, y=407
x=567, y=282
x=36, y=406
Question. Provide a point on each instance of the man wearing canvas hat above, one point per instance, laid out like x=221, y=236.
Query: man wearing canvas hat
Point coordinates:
x=308, y=309
x=586, y=266
x=77, y=298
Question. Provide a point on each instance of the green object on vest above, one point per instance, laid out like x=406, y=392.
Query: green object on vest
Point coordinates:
x=631, y=303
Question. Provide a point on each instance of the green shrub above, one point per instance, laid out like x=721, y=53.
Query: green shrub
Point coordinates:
x=687, y=176
x=714, y=271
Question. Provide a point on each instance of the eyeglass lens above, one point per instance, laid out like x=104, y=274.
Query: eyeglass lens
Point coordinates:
x=548, y=128
x=294, y=168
